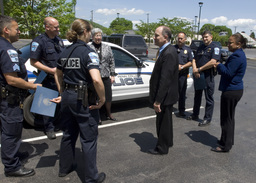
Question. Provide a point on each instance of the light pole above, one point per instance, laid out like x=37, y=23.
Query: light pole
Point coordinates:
x=117, y=15
x=200, y=6
x=148, y=29
x=195, y=23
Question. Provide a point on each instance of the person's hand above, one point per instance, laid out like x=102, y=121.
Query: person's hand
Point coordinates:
x=56, y=100
x=98, y=105
x=112, y=78
x=157, y=107
x=197, y=75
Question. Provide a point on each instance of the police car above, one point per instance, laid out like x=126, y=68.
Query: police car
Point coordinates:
x=131, y=80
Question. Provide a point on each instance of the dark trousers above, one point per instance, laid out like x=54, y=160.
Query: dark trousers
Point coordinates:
x=11, y=117
x=77, y=119
x=164, y=129
x=182, y=92
x=229, y=100
x=209, y=106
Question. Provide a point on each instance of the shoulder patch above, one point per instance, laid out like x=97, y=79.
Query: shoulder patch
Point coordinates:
x=34, y=46
x=94, y=57
x=13, y=55
x=216, y=51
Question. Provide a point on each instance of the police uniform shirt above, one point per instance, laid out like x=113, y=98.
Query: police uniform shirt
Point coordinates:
x=185, y=54
x=76, y=68
x=205, y=53
x=10, y=61
x=46, y=50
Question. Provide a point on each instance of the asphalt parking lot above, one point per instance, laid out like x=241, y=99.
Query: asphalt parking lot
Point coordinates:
x=123, y=145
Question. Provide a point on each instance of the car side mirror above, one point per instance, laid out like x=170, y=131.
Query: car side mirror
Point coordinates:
x=140, y=63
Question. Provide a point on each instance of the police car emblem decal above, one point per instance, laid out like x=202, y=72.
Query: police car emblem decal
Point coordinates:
x=34, y=46
x=13, y=55
x=216, y=51
x=94, y=57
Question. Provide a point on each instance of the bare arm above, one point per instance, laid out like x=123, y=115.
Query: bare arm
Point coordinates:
x=99, y=87
x=59, y=80
x=37, y=64
x=13, y=80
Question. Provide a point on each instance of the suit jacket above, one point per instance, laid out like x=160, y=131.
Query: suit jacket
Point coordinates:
x=164, y=78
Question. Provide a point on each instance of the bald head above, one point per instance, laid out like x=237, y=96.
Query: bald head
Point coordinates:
x=51, y=27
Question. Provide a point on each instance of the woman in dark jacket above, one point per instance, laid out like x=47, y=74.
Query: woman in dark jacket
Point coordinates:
x=231, y=85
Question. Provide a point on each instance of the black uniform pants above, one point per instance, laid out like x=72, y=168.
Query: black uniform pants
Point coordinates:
x=182, y=92
x=229, y=100
x=11, y=117
x=164, y=129
x=208, y=91
x=77, y=119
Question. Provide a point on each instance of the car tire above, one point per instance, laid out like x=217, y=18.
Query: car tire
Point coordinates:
x=28, y=116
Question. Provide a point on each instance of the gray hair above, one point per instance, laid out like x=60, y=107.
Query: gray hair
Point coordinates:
x=96, y=30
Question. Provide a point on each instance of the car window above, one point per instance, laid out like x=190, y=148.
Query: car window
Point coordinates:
x=133, y=41
x=123, y=59
x=115, y=40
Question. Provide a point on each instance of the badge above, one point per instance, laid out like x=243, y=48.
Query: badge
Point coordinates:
x=94, y=57
x=13, y=55
x=216, y=51
x=34, y=46
x=185, y=52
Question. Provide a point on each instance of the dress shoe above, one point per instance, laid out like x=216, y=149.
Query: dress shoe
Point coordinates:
x=110, y=118
x=51, y=135
x=219, y=149
x=181, y=115
x=154, y=152
x=204, y=123
x=22, y=172
x=192, y=117
x=101, y=177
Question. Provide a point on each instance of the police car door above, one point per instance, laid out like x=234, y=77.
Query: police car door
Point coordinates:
x=131, y=81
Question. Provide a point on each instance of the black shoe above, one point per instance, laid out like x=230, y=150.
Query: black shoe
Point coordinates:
x=219, y=149
x=101, y=177
x=204, y=123
x=51, y=135
x=181, y=115
x=154, y=152
x=22, y=172
x=192, y=117
x=113, y=119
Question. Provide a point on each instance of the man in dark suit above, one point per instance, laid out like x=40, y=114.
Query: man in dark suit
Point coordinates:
x=164, y=89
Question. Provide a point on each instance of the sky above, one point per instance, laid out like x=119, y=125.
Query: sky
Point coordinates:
x=238, y=15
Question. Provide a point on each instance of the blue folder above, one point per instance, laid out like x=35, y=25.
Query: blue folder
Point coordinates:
x=42, y=104
x=199, y=83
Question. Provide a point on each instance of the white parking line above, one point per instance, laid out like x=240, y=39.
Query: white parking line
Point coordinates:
x=101, y=126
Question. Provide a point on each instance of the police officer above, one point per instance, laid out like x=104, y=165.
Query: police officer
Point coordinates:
x=14, y=84
x=185, y=61
x=45, y=50
x=77, y=70
x=206, y=54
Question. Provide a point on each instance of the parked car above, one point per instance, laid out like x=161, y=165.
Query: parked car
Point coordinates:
x=131, y=42
x=224, y=53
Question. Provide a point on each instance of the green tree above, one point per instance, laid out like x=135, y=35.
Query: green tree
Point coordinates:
x=120, y=25
x=146, y=30
x=252, y=35
x=177, y=25
x=30, y=14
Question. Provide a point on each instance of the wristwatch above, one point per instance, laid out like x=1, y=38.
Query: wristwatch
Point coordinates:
x=181, y=67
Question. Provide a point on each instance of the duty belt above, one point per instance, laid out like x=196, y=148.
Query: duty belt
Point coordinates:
x=70, y=87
